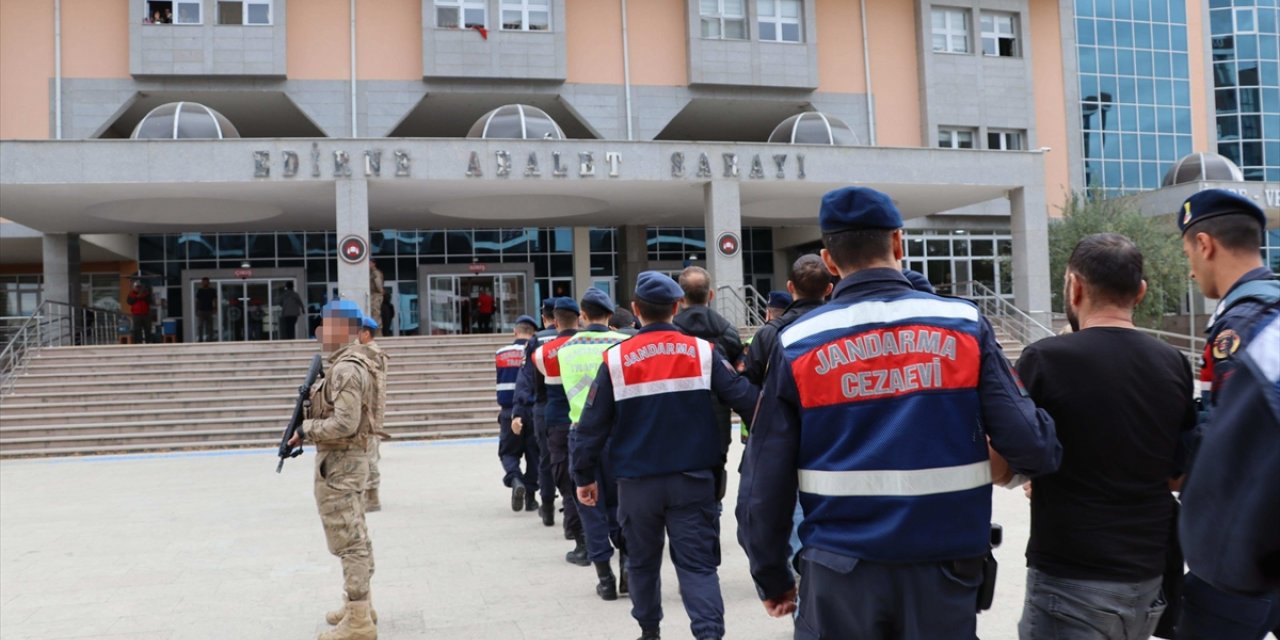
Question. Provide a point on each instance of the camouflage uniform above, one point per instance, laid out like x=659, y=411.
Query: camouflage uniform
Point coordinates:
x=376, y=291
x=341, y=424
x=377, y=354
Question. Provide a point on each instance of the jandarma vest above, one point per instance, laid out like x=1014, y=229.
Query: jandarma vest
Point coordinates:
x=892, y=462
x=508, y=361
x=546, y=360
x=580, y=360
x=664, y=421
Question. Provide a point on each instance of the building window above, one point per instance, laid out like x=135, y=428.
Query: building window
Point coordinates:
x=526, y=15
x=455, y=14
x=999, y=34
x=955, y=138
x=1246, y=20
x=1006, y=140
x=724, y=19
x=244, y=12
x=778, y=20
x=173, y=12
x=950, y=30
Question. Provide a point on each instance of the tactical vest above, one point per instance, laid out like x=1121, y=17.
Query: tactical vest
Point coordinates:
x=892, y=460
x=323, y=396
x=508, y=361
x=663, y=418
x=1221, y=345
x=580, y=359
x=545, y=359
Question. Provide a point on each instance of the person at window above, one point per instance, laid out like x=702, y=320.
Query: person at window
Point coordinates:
x=206, y=308
x=484, y=310
x=291, y=307
x=140, y=301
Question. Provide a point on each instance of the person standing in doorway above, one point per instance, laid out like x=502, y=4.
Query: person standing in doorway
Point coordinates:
x=206, y=308
x=484, y=310
x=139, y=302
x=291, y=307
x=388, y=315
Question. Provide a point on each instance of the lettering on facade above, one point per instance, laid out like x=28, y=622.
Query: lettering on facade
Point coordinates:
x=315, y=160
x=290, y=164
x=704, y=166
x=677, y=165
x=402, y=163
x=1273, y=197
x=780, y=161
x=614, y=160
x=757, y=168
x=504, y=163
x=800, y=165
x=531, y=169
x=341, y=164
x=586, y=164
x=473, y=166
x=373, y=163
x=558, y=170
x=261, y=164
x=730, y=164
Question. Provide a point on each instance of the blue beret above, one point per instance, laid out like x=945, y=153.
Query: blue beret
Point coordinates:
x=857, y=208
x=918, y=281
x=598, y=298
x=548, y=306
x=657, y=288
x=369, y=323
x=1212, y=203
x=527, y=320
x=566, y=304
x=342, y=309
x=779, y=299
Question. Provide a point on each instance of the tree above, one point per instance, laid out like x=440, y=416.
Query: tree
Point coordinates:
x=1164, y=265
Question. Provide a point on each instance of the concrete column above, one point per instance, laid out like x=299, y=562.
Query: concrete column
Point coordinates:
x=581, y=259
x=352, y=197
x=781, y=263
x=61, y=267
x=633, y=250
x=722, y=211
x=1030, y=226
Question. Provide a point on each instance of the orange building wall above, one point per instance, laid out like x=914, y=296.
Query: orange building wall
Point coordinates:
x=95, y=38
x=388, y=39
x=26, y=31
x=593, y=41
x=840, y=66
x=658, y=38
x=1049, y=91
x=319, y=40
x=895, y=72
x=1197, y=33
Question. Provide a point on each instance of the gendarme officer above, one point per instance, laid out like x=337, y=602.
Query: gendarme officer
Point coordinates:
x=877, y=408
x=651, y=401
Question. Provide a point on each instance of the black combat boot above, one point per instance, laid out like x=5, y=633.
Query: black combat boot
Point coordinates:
x=579, y=554
x=517, y=494
x=607, y=589
x=622, y=574
x=649, y=634
x=548, y=512
x=530, y=502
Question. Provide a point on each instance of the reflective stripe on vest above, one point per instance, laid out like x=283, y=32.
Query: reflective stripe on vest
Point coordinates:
x=544, y=358
x=580, y=359
x=659, y=362
x=914, y=482
x=876, y=312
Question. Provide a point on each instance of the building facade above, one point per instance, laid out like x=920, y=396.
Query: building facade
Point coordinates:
x=673, y=141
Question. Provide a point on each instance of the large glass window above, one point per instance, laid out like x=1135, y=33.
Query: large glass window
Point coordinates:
x=526, y=15
x=173, y=12
x=1000, y=34
x=244, y=12
x=1006, y=140
x=1247, y=90
x=950, y=30
x=454, y=14
x=778, y=20
x=723, y=19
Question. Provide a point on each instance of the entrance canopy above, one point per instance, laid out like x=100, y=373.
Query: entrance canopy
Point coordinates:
x=117, y=186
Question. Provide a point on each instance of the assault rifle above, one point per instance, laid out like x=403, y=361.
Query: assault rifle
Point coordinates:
x=300, y=411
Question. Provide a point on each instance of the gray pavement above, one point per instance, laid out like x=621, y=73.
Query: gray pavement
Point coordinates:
x=214, y=545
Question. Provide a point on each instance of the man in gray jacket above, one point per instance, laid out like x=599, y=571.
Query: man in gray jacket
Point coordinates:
x=291, y=307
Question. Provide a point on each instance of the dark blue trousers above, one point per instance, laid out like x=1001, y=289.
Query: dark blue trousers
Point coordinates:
x=600, y=523
x=1208, y=613
x=546, y=486
x=558, y=446
x=844, y=597
x=682, y=506
x=512, y=448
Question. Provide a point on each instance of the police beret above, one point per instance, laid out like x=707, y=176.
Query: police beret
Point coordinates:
x=342, y=309
x=657, y=288
x=566, y=304
x=918, y=281
x=857, y=208
x=369, y=323
x=548, y=306
x=597, y=298
x=527, y=320
x=779, y=299
x=1212, y=203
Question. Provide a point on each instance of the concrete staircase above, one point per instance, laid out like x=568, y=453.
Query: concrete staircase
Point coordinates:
x=123, y=399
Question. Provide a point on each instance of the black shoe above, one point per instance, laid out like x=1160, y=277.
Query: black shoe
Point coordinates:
x=579, y=554
x=548, y=512
x=530, y=502
x=607, y=589
x=650, y=634
x=622, y=574
x=517, y=494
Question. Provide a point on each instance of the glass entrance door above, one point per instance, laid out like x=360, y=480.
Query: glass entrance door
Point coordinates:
x=467, y=304
x=444, y=307
x=247, y=309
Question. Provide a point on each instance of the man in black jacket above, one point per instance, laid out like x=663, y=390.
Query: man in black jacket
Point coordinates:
x=701, y=321
x=809, y=285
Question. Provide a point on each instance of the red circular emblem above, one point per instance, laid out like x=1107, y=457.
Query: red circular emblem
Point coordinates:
x=352, y=249
x=728, y=244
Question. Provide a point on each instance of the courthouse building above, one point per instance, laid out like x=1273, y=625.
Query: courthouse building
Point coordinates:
x=531, y=148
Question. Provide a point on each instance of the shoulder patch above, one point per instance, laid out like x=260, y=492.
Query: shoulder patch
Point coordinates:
x=1225, y=344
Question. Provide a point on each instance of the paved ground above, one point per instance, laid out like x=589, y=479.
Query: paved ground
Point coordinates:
x=217, y=546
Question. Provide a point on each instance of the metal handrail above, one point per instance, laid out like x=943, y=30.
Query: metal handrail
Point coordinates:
x=56, y=324
x=730, y=300
x=1002, y=313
